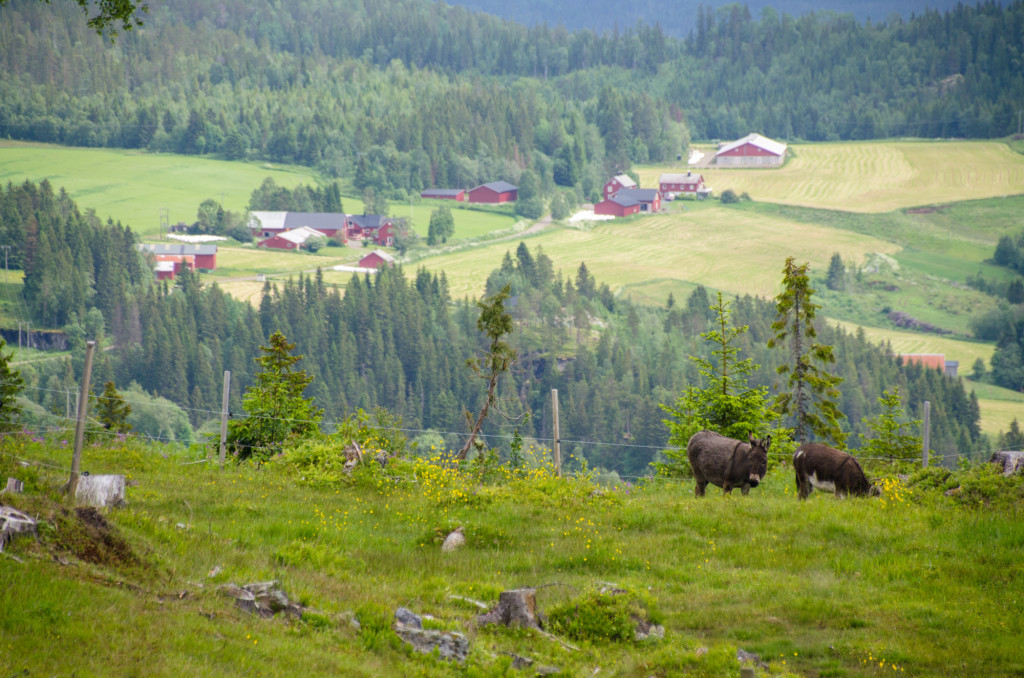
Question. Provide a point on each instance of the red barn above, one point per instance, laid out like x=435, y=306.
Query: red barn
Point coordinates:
x=680, y=184
x=376, y=259
x=457, y=194
x=935, y=361
x=203, y=256
x=170, y=265
x=752, y=150
x=648, y=198
x=617, y=206
x=616, y=184
x=494, y=192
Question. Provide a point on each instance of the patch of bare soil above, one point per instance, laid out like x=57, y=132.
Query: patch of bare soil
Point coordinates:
x=87, y=535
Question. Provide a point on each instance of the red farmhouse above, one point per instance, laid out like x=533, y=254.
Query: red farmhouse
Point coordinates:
x=677, y=184
x=752, y=150
x=457, y=194
x=617, y=183
x=494, y=192
x=617, y=206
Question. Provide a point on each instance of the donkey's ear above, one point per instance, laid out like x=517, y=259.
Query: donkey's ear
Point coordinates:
x=751, y=439
x=767, y=443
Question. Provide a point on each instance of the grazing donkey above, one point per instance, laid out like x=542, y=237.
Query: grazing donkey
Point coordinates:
x=819, y=466
x=726, y=462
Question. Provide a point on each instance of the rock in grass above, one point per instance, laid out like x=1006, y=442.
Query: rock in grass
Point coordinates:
x=263, y=599
x=453, y=541
x=407, y=617
x=449, y=645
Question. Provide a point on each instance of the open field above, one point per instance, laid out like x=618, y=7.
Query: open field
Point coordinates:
x=470, y=222
x=917, y=342
x=723, y=249
x=133, y=186
x=854, y=588
x=875, y=176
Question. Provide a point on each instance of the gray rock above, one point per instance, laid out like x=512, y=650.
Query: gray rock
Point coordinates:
x=453, y=541
x=645, y=630
x=449, y=645
x=263, y=599
x=407, y=617
x=745, y=657
x=1011, y=462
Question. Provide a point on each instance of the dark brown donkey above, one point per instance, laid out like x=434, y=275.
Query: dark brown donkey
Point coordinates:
x=727, y=462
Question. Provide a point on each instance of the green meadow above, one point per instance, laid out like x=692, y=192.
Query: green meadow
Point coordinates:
x=134, y=186
x=823, y=587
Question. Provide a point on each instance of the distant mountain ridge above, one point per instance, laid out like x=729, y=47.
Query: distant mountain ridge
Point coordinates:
x=607, y=15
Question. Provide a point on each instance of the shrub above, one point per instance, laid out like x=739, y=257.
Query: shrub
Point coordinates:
x=603, y=615
x=729, y=197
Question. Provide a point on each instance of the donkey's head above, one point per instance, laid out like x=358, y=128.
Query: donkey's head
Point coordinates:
x=757, y=458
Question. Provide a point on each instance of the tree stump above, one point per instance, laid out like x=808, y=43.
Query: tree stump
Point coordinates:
x=100, y=491
x=12, y=522
x=14, y=486
x=1010, y=461
x=517, y=607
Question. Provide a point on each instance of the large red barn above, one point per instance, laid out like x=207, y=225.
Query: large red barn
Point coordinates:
x=494, y=192
x=457, y=194
x=204, y=257
x=752, y=150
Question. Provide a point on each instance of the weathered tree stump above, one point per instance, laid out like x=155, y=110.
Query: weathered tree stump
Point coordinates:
x=12, y=522
x=1011, y=462
x=14, y=486
x=517, y=607
x=100, y=491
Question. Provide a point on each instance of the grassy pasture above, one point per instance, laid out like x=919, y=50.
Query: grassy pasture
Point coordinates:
x=133, y=186
x=855, y=588
x=875, y=176
x=730, y=250
x=470, y=222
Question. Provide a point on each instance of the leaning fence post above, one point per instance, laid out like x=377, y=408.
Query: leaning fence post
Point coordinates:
x=558, y=441
x=224, y=417
x=926, y=431
x=83, y=408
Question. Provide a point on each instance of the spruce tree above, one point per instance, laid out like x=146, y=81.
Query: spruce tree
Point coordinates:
x=112, y=410
x=11, y=384
x=810, y=392
x=276, y=408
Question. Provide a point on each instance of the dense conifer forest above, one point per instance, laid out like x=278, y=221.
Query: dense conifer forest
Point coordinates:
x=403, y=343
x=406, y=94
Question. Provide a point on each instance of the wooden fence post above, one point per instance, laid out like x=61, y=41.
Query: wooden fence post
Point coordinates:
x=558, y=441
x=224, y=417
x=83, y=409
x=926, y=426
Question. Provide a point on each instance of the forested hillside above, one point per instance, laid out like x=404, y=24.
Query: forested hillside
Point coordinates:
x=406, y=94
x=609, y=15
x=403, y=345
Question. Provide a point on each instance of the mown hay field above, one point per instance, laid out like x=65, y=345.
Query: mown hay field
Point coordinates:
x=728, y=250
x=133, y=186
x=875, y=176
x=916, y=342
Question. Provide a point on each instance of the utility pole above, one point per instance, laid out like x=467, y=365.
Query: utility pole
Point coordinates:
x=28, y=332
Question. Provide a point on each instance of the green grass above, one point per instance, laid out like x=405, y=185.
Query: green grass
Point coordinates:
x=875, y=176
x=133, y=186
x=471, y=222
x=731, y=250
x=917, y=342
x=822, y=587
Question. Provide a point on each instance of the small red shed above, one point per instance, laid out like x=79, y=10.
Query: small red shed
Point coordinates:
x=495, y=192
x=377, y=259
x=617, y=206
